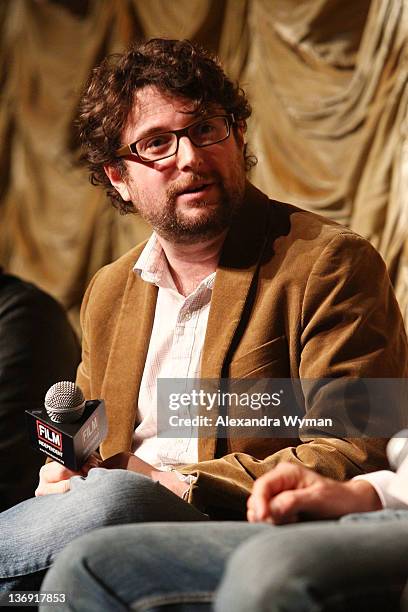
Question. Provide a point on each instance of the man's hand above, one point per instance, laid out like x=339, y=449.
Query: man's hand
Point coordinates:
x=289, y=491
x=54, y=477
x=128, y=461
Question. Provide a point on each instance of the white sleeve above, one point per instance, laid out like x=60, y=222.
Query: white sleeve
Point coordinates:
x=388, y=488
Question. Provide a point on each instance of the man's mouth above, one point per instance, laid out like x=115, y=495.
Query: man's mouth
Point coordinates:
x=195, y=188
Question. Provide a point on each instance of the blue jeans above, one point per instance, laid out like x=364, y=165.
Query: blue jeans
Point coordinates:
x=357, y=564
x=33, y=532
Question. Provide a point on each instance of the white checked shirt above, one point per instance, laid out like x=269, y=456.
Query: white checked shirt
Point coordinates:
x=175, y=351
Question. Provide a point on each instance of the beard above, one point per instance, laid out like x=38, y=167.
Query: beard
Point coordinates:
x=201, y=220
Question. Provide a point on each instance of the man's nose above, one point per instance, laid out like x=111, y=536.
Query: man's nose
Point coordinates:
x=188, y=156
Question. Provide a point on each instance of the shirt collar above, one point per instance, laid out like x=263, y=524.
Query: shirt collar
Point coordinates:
x=152, y=266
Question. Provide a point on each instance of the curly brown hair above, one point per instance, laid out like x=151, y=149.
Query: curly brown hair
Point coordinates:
x=178, y=67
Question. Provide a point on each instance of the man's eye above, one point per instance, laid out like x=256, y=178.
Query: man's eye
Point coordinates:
x=156, y=143
x=205, y=128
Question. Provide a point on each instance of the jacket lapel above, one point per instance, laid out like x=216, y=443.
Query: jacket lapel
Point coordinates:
x=237, y=268
x=127, y=357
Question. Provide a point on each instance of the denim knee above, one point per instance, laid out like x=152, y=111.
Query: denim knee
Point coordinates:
x=70, y=574
x=118, y=494
x=118, y=568
x=267, y=573
x=34, y=531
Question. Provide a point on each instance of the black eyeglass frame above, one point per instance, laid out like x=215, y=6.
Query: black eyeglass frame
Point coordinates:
x=130, y=149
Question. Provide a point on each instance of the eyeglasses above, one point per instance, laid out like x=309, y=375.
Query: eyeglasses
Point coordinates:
x=202, y=133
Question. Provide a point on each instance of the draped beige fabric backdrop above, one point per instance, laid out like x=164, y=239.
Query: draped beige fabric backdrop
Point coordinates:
x=327, y=80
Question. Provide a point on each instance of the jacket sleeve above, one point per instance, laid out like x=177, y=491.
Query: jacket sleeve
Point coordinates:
x=350, y=327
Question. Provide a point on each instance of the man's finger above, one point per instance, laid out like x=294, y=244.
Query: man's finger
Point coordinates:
x=91, y=462
x=54, y=472
x=251, y=516
x=281, y=478
x=53, y=487
x=286, y=507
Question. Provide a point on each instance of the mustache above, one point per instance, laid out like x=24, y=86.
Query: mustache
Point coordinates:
x=186, y=183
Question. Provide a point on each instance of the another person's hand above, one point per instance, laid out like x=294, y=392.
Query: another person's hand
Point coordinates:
x=54, y=477
x=290, y=492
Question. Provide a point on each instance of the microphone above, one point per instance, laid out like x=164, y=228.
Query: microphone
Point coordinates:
x=64, y=402
x=67, y=428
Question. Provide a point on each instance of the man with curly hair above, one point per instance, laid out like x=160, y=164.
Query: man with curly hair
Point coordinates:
x=231, y=285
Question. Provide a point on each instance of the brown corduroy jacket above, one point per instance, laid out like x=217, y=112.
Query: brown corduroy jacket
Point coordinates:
x=295, y=295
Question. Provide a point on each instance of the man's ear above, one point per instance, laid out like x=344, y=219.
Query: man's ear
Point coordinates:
x=114, y=175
